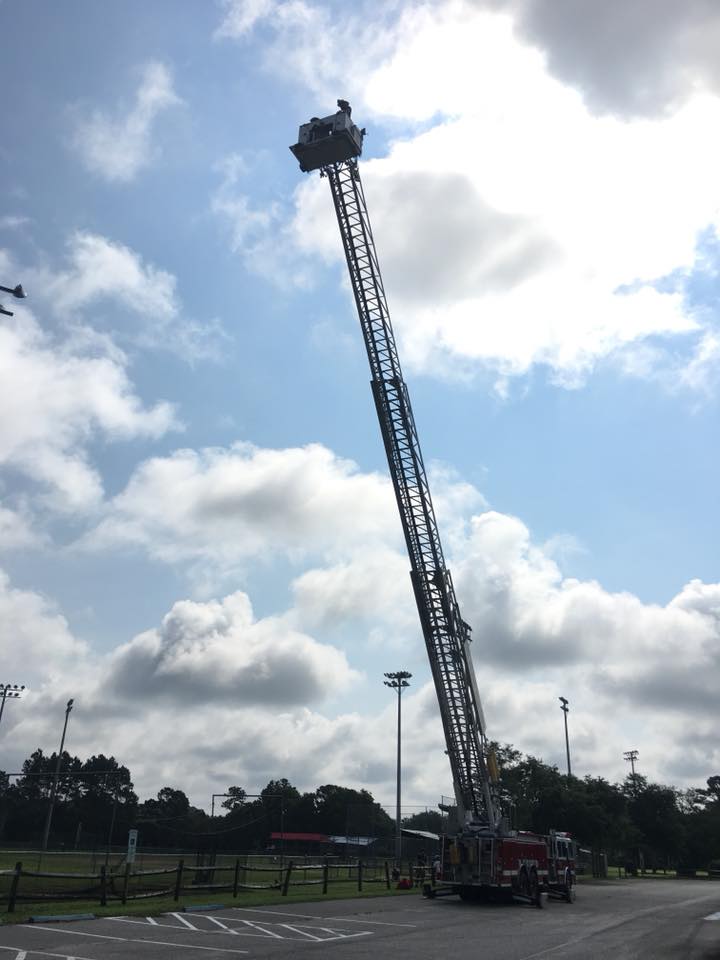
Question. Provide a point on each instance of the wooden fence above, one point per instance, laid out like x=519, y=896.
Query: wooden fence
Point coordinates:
x=130, y=884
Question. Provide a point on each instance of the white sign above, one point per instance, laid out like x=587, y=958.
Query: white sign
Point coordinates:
x=132, y=845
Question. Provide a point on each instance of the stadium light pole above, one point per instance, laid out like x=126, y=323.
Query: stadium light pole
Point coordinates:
x=566, y=709
x=16, y=292
x=398, y=681
x=9, y=691
x=53, y=791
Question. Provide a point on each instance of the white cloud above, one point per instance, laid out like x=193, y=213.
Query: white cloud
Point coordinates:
x=62, y=396
x=100, y=268
x=101, y=271
x=118, y=147
x=16, y=530
x=631, y=670
x=242, y=15
x=36, y=643
x=643, y=668
x=230, y=505
x=631, y=59
x=539, y=229
x=218, y=651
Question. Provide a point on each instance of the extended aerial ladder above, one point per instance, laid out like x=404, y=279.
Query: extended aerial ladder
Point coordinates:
x=484, y=857
x=332, y=145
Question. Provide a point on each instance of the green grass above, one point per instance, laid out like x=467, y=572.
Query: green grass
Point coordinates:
x=152, y=907
x=149, y=895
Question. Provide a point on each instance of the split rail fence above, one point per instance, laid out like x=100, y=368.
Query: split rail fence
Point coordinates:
x=126, y=883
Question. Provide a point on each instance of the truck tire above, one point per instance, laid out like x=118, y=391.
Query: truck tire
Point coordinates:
x=536, y=897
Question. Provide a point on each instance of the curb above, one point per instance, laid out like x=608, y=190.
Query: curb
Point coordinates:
x=61, y=917
x=204, y=906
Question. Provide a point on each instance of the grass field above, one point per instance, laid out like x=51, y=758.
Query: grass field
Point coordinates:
x=71, y=882
x=149, y=907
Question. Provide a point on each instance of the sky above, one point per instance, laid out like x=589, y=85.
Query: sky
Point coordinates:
x=198, y=537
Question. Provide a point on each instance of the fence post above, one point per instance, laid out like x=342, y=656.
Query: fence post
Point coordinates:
x=286, y=881
x=14, y=884
x=326, y=871
x=178, y=879
x=387, y=875
x=360, y=871
x=126, y=881
x=236, y=877
x=103, y=885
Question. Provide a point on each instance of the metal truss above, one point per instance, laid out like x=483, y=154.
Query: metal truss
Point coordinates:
x=446, y=634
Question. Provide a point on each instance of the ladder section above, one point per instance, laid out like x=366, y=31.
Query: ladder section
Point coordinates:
x=446, y=634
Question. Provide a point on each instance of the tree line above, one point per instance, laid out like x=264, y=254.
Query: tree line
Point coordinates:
x=634, y=821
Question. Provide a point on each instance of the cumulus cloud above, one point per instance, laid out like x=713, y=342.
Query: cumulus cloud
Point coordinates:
x=229, y=505
x=118, y=147
x=637, y=670
x=63, y=395
x=242, y=15
x=630, y=59
x=218, y=651
x=36, y=643
x=101, y=271
x=17, y=531
x=541, y=232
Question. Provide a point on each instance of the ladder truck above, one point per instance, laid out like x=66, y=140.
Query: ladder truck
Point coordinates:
x=483, y=857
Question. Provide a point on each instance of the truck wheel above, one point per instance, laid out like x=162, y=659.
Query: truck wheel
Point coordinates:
x=535, y=893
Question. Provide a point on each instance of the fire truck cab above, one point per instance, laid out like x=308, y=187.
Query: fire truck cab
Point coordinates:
x=561, y=864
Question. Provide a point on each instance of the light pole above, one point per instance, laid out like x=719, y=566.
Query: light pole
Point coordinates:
x=398, y=681
x=16, y=292
x=9, y=691
x=53, y=790
x=566, y=709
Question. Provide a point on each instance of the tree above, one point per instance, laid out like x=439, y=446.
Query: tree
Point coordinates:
x=430, y=820
x=236, y=798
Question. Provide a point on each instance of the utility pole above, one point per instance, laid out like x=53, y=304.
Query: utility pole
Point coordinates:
x=53, y=790
x=398, y=681
x=631, y=756
x=566, y=709
x=9, y=691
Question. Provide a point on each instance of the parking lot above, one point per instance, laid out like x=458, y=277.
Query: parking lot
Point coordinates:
x=653, y=920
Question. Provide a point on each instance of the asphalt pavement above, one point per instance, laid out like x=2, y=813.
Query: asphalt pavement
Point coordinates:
x=624, y=920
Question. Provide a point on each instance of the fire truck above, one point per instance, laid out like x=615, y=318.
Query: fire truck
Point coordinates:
x=483, y=856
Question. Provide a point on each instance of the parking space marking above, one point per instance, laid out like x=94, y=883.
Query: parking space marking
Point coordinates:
x=22, y=954
x=224, y=926
x=152, y=943
x=713, y=916
x=305, y=916
x=379, y=923
x=266, y=930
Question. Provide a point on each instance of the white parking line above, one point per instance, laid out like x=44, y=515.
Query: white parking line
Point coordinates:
x=303, y=933
x=181, y=918
x=305, y=916
x=279, y=913
x=222, y=925
x=379, y=923
x=713, y=916
x=22, y=954
x=157, y=943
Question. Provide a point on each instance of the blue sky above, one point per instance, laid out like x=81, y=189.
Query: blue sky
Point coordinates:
x=193, y=494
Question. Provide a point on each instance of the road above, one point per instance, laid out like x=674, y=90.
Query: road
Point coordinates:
x=622, y=920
